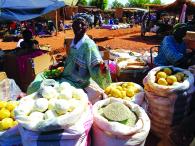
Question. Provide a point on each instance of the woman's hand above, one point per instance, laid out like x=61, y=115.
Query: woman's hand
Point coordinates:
x=55, y=66
x=21, y=95
x=103, y=67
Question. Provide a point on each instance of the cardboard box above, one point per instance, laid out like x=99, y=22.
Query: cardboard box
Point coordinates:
x=105, y=53
x=42, y=63
x=33, y=67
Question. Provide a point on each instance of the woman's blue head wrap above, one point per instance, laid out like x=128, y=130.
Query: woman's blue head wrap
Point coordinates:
x=82, y=16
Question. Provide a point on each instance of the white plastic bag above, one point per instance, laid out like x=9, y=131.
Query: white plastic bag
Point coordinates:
x=94, y=92
x=75, y=135
x=9, y=90
x=107, y=133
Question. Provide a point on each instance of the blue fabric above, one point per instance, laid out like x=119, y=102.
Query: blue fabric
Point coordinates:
x=27, y=9
x=169, y=52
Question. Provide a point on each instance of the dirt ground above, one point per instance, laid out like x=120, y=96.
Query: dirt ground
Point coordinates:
x=122, y=38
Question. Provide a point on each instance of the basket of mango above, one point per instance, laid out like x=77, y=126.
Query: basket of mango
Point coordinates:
x=126, y=90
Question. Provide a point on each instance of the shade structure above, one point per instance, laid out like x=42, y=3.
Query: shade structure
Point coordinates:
x=20, y=10
x=175, y=7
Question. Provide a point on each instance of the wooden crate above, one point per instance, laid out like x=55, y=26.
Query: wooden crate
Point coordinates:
x=190, y=40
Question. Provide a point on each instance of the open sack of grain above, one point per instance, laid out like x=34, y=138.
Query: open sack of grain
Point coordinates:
x=119, y=123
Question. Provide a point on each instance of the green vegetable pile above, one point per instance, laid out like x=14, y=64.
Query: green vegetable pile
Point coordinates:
x=53, y=73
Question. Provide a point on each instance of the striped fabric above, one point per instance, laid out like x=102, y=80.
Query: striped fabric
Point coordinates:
x=82, y=64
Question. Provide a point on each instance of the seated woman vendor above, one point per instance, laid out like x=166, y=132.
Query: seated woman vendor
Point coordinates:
x=172, y=50
x=84, y=64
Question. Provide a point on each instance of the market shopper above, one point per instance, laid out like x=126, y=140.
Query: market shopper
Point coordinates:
x=172, y=50
x=84, y=64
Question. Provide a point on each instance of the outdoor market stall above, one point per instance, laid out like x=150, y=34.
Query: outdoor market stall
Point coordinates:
x=60, y=114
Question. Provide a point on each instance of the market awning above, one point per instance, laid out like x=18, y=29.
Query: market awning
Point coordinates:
x=28, y=9
x=174, y=7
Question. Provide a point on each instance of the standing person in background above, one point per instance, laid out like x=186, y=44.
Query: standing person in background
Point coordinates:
x=12, y=27
x=91, y=14
x=95, y=18
x=61, y=26
x=51, y=26
x=100, y=19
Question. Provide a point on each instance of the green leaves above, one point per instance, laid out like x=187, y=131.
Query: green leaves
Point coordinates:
x=116, y=4
x=138, y=3
x=82, y=2
x=141, y=3
x=156, y=2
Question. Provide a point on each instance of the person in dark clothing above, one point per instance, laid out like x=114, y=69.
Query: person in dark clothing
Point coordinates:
x=28, y=44
x=51, y=26
x=96, y=17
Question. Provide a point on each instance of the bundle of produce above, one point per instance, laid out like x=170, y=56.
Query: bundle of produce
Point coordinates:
x=119, y=123
x=126, y=90
x=53, y=73
x=58, y=114
x=9, y=134
x=168, y=92
x=73, y=135
x=51, y=108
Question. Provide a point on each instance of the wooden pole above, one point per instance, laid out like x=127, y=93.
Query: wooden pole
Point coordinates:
x=56, y=22
x=63, y=17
